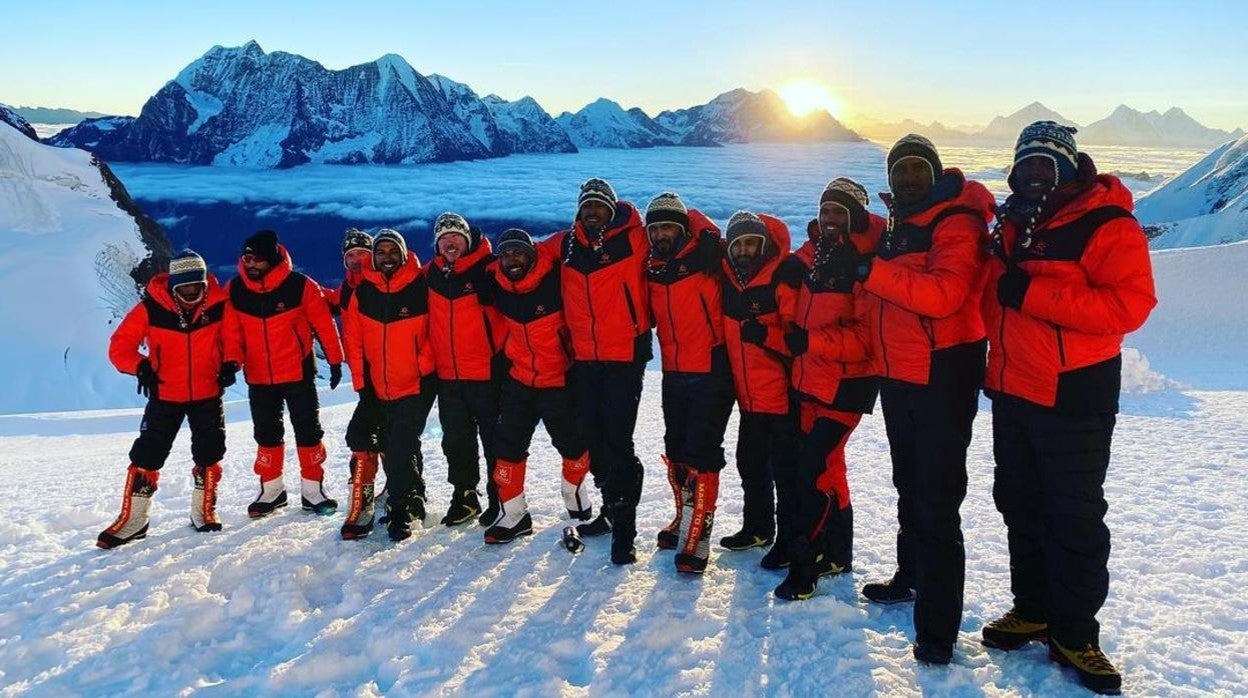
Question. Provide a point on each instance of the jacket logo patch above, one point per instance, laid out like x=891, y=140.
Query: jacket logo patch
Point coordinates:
x=541, y=310
x=605, y=258
x=281, y=306
x=404, y=312
x=682, y=270
x=1037, y=248
x=468, y=287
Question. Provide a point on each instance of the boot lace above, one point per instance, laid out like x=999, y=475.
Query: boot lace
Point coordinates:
x=1095, y=660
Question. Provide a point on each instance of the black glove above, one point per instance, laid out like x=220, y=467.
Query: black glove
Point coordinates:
x=863, y=267
x=797, y=340
x=147, y=379
x=335, y=375
x=1012, y=287
x=228, y=374
x=843, y=260
x=753, y=332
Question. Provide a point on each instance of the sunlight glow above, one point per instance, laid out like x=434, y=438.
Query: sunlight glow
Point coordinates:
x=803, y=96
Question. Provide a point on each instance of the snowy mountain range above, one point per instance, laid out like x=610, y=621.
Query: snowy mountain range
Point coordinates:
x=11, y=117
x=75, y=250
x=1206, y=204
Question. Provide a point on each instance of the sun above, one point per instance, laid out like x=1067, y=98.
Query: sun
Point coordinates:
x=804, y=96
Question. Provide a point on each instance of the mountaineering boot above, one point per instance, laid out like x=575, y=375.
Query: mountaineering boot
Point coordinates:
x=464, y=506
x=204, y=498
x=359, y=521
x=803, y=576
x=745, y=539
x=312, y=472
x=575, y=487
x=513, y=521
x=893, y=591
x=777, y=557
x=929, y=652
x=623, y=533
x=490, y=515
x=402, y=512
x=1011, y=631
x=837, y=540
x=701, y=492
x=669, y=536
x=599, y=526
x=272, y=490
x=136, y=503
x=1095, y=671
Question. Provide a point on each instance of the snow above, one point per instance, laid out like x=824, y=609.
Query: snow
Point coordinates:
x=261, y=148
x=1207, y=204
x=56, y=216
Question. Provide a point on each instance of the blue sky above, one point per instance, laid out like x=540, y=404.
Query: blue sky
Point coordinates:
x=961, y=63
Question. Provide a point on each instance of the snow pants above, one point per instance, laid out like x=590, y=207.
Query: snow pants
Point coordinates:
x=607, y=395
x=767, y=449
x=364, y=431
x=1048, y=485
x=929, y=430
x=696, y=408
x=403, y=423
x=825, y=514
x=267, y=403
x=466, y=410
x=161, y=422
x=522, y=407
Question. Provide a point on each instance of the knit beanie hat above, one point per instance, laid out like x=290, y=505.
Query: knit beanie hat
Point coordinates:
x=1049, y=139
x=667, y=208
x=915, y=146
x=599, y=190
x=263, y=245
x=852, y=197
x=451, y=224
x=744, y=224
x=356, y=239
x=515, y=238
x=393, y=236
x=187, y=268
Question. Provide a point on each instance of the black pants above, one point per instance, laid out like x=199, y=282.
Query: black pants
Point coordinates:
x=267, y=402
x=403, y=423
x=767, y=448
x=161, y=422
x=607, y=395
x=364, y=431
x=521, y=407
x=696, y=408
x=1049, y=487
x=929, y=430
x=824, y=513
x=467, y=409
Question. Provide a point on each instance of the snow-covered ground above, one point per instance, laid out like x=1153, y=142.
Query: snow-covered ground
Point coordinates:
x=281, y=606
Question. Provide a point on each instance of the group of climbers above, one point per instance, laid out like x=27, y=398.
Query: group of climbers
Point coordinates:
x=947, y=296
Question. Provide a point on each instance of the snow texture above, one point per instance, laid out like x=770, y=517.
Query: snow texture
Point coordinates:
x=1207, y=204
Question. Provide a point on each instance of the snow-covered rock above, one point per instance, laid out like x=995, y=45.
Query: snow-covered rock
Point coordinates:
x=1007, y=128
x=505, y=127
x=1130, y=127
x=103, y=133
x=68, y=251
x=741, y=116
x=605, y=124
x=9, y=116
x=1207, y=204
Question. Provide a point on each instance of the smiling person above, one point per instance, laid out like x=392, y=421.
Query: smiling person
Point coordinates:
x=387, y=330
x=1070, y=275
x=466, y=334
x=686, y=303
x=928, y=347
x=526, y=279
x=272, y=315
x=179, y=320
x=604, y=301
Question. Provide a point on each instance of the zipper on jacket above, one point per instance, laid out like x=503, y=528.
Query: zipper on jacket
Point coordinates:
x=632, y=310
x=385, y=349
x=589, y=304
x=1061, y=345
x=671, y=321
x=190, y=363
x=1001, y=343
x=532, y=354
x=883, y=345
x=489, y=332
x=745, y=368
x=454, y=361
x=928, y=330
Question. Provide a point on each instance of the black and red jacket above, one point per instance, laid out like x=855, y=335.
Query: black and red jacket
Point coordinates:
x=465, y=330
x=761, y=374
x=1091, y=283
x=387, y=327
x=927, y=278
x=836, y=369
x=339, y=298
x=536, y=338
x=269, y=325
x=604, y=288
x=686, y=299
x=184, y=346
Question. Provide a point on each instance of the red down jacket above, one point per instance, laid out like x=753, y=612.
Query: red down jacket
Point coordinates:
x=387, y=326
x=926, y=281
x=1091, y=283
x=269, y=324
x=537, y=343
x=686, y=299
x=184, y=349
x=464, y=329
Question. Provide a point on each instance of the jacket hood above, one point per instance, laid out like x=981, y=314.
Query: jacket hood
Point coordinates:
x=404, y=275
x=467, y=260
x=626, y=217
x=951, y=190
x=158, y=290
x=778, y=241
x=277, y=274
x=547, y=259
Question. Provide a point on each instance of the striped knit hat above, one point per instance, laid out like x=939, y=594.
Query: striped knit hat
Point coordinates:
x=187, y=268
x=392, y=236
x=744, y=224
x=1049, y=139
x=451, y=224
x=915, y=146
x=599, y=190
x=668, y=208
x=356, y=239
x=852, y=197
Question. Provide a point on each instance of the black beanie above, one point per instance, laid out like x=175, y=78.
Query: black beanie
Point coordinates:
x=915, y=146
x=516, y=238
x=263, y=245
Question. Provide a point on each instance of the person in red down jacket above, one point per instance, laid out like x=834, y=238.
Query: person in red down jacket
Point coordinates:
x=927, y=342
x=603, y=273
x=685, y=279
x=179, y=320
x=1069, y=276
x=527, y=281
x=758, y=308
x=834, y=381
x=466, y=333
x=270, y=320
x=387, y=330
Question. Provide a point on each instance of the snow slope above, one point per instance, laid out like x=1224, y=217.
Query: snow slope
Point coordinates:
x=57, y=221
x=1207, y=204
